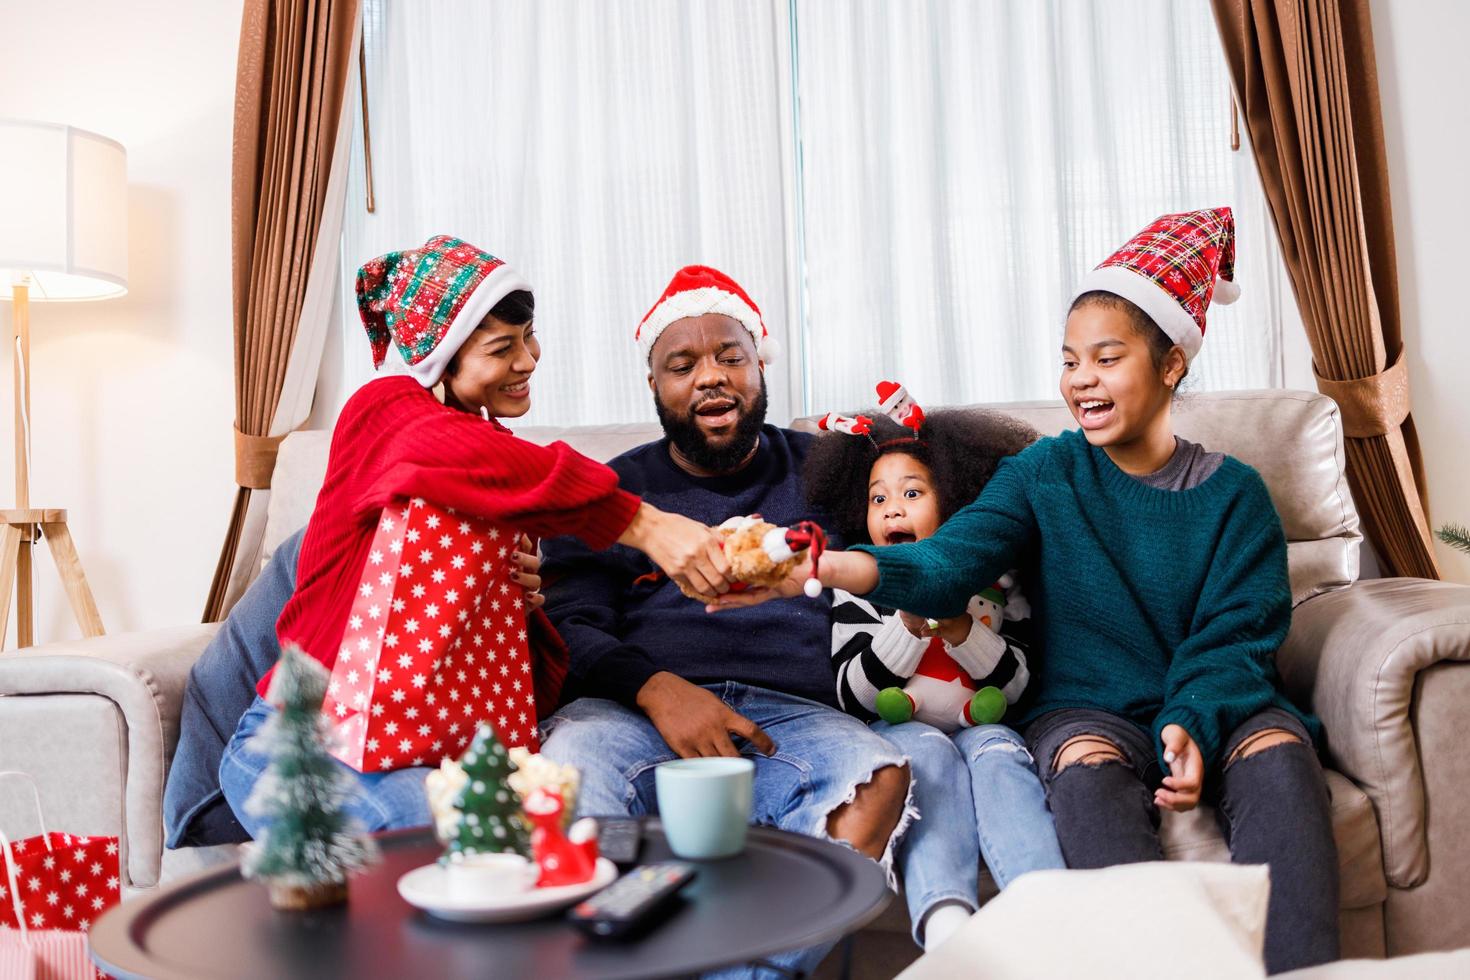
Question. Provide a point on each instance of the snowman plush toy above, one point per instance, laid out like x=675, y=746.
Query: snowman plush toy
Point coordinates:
x=940, y=692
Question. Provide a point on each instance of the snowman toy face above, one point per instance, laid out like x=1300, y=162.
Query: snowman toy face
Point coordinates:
x=986, y=611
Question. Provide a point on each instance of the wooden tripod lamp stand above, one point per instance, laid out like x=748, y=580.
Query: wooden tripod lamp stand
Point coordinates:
x=66, y=190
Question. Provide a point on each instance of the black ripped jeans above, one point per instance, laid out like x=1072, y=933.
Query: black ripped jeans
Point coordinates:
x=1272, y=807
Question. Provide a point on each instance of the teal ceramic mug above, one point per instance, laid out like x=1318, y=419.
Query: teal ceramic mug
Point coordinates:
x=704, y=805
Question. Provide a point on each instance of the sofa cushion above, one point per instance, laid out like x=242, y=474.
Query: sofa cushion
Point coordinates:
x=301, y=467
x=1137, y=920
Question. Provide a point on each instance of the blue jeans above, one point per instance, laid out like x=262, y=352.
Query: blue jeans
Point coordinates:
x=978, y=795
x=822, y=757
x=384, y=800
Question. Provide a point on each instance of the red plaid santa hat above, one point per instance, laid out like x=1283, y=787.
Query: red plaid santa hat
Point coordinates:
x=428, y=300
x=1172, y=269
x=696, y=290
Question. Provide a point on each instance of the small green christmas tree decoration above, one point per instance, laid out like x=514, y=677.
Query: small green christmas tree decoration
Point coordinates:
x=309, y=843
x=490, y=819
x=1457, y=536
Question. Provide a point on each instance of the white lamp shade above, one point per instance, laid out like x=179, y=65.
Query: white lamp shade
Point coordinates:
x=63, y=212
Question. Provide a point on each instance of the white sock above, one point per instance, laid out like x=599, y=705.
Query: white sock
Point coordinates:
x=942, y=921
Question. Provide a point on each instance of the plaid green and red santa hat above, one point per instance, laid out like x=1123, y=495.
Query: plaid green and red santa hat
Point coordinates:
x=427, y=301
x=1171, y=270
x=696, y=290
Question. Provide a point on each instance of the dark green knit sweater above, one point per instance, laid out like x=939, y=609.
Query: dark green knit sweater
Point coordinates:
x=1162, y=606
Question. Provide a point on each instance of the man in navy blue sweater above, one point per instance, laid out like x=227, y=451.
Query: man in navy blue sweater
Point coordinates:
x=655, y=677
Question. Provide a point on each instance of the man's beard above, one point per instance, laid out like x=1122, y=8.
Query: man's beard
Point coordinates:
x=687, y=436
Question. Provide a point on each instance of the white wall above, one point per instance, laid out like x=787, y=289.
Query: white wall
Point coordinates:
x=1426, y=121
x=132, y=399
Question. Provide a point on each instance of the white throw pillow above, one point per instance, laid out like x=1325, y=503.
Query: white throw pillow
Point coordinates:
x=1163, y=919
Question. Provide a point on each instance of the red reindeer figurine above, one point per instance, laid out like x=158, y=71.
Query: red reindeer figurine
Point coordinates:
x=565, y=858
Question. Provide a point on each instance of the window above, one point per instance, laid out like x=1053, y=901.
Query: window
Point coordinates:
x=907, y=190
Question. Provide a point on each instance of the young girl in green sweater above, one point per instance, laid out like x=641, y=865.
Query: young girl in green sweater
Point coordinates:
x=1160, y=593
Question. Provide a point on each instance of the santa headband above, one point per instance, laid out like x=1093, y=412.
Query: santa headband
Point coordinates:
x=1171, y=270
x=894, y=401
x=696, y=290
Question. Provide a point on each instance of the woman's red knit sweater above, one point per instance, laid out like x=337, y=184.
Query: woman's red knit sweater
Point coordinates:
x=395, y=439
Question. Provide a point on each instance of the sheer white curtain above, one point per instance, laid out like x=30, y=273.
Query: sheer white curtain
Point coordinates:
x=909, y=190
x=964, y=163
x=596, y=147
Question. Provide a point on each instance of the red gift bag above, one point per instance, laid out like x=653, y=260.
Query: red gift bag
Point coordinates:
x=435, y=643
x=52, y=888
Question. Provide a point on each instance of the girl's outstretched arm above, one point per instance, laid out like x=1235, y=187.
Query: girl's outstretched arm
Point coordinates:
x=934, y=577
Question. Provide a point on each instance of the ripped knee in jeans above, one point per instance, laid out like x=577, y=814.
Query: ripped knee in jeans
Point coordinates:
x=1258, y=742
x=1087, y=750
x=875, y=813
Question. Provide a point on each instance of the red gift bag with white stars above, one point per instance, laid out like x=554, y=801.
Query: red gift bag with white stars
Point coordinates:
x=435, y=643
x=52, y=887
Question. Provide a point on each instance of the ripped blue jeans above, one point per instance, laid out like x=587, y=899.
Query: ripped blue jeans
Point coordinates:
x=978, y=795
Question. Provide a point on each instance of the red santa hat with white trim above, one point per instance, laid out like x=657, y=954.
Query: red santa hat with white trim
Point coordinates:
x=1171, y=270
x=696, y=290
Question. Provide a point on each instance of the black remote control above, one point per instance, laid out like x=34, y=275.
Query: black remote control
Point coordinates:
x=639, y=899
x=619, y=839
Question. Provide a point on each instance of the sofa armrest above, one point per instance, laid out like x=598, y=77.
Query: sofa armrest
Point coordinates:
x=143, y=674
x=1356, y=656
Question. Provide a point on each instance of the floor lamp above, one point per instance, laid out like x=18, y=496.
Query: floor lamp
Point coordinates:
x=64, y=238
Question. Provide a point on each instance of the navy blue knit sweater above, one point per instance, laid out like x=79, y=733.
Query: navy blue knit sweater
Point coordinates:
x=621, y=631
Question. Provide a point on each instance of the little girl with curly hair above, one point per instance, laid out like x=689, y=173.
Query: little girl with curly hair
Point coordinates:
x=930, y=686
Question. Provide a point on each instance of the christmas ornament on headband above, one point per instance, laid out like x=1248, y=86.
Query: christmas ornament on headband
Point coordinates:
x=852, y=425
x=895, y=402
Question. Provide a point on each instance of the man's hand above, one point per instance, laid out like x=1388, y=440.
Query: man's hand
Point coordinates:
x=851, y=571
x=689, y=552
x=788, y=588
x=693, y=721
x=1182, y=786
x=528, y=576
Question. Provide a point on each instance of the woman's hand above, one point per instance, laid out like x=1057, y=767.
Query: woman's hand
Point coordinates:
x=689, y=552
x=1186, y=777
x=528, y=576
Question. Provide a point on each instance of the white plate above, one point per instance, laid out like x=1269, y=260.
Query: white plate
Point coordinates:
x=428, y=888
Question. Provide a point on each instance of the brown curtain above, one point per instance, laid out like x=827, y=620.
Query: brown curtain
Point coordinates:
x=290, y=81
x=1306, y=80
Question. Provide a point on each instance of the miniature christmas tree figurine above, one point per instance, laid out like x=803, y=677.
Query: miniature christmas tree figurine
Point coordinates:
x=490, y=820
x=309, y=843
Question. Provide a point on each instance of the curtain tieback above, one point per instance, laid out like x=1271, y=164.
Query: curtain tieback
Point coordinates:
x=1371, y=406
x=255, y=459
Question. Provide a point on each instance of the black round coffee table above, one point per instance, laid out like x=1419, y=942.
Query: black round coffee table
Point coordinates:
x=784, y=892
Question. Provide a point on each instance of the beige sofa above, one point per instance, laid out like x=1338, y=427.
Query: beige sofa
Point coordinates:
x=1383, y=662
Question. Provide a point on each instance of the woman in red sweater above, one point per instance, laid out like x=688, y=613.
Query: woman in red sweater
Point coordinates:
x=462, y=318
